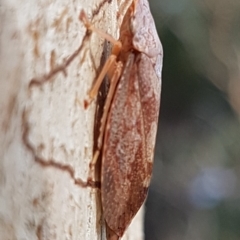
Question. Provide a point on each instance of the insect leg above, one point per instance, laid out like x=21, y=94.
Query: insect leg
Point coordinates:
x=113, y=69
x=114, y=80
x=110, y=65
x=117, y=45
x=94, y=91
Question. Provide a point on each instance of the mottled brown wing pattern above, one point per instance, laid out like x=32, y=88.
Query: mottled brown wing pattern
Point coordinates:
x=129, y=144
x=129, y=122
x=150, y=90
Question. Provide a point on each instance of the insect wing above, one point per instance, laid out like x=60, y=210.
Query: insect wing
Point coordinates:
x=150, y=90
x=129, y=143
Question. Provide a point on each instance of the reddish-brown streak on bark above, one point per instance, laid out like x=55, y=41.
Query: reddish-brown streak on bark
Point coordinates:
x=61, y=68
x=39, y=232
x=51, y=162
x=26, y=129
x=36, y=48
x=97, y=10
x=58, y=21
x=52, y=60
x=9, y=113
x=35, y=35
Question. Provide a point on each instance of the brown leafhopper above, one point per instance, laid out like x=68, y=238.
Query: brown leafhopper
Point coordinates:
x=130, y=117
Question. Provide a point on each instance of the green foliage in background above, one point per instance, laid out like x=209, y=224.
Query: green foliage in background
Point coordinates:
x=195, y=187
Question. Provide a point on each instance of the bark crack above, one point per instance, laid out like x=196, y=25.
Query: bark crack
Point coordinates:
x=53, y=163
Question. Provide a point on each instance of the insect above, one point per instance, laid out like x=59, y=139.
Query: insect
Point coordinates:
x=130, y=118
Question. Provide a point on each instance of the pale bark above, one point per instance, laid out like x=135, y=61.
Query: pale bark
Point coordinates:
x=46, y=134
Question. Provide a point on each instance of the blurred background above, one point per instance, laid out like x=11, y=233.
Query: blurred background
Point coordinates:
x=195, y=190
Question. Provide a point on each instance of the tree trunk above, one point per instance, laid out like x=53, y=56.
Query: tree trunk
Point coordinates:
x=48, y=63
